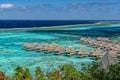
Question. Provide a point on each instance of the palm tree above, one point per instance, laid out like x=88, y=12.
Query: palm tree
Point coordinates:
x=27, y=75
x=54, y=75
x=70, y=73
x=38, y=74
x=9, y=78
x=18, y=75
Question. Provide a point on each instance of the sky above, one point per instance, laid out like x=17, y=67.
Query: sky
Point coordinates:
x=59, y=9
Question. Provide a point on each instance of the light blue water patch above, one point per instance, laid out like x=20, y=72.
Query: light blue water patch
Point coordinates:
x=26, y=35
x=12, y=54
x=90, y=27
x=47, y=63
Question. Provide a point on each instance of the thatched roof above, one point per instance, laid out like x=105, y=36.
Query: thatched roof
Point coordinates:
x=106, y=61
x=70, y=50
x=82, y=51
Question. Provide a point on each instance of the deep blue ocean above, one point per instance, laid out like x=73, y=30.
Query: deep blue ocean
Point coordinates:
x=40, y=23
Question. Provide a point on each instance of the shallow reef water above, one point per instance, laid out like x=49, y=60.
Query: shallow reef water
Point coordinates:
x=12, y=54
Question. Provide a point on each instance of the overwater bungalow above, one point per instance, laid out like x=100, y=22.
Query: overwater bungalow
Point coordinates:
x=39, y=48
x=103, y=39
x=106, y=40
x=113, y=54
x=70, y=50
x=99, y=39
x=35, y=44
x=97, y=53
x=45, y=47
x=117, y=47
x=82, y=52
x=53, y=46
x=103, y=43
x=28, y=46
x=83, y=39
x=59, y=50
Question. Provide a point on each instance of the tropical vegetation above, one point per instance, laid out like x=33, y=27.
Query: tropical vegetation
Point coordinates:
x=69, y=72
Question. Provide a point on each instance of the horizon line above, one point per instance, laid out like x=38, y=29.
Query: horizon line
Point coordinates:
x=60, y=20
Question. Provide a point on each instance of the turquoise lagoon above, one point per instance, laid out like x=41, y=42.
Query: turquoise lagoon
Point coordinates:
x=12, y=54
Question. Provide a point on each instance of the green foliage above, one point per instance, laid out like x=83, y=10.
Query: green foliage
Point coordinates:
x=18, y=75
x=54, y=75
x=27, y=75
x=9, y=78
x=118, y=57
x=94, y=73
x=38, y=74
x=114, y=72
x=69, y=72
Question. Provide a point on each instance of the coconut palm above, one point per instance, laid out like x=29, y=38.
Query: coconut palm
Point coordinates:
x=38, y=74
x=18, y=75
x=27, y=75
x=54, y=75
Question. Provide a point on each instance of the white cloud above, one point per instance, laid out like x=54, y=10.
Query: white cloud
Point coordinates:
x=6, y=6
